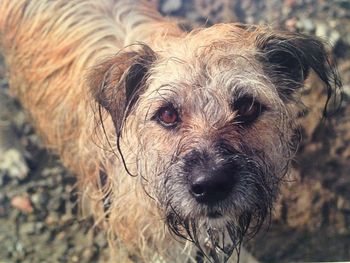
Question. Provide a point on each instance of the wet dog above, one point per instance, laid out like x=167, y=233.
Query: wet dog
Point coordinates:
x=192, y=131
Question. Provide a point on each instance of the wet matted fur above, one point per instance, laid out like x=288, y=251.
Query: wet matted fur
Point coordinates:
x=139, y=110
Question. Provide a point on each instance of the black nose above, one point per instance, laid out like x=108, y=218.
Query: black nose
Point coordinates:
x=213, y=185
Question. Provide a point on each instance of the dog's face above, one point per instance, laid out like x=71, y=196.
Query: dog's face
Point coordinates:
x=210, y=119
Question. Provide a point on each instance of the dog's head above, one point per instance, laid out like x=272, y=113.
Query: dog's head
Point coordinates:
x=210, y=119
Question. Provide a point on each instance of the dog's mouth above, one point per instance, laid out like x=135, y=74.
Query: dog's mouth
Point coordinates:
x=215, y=231
x=214, y=215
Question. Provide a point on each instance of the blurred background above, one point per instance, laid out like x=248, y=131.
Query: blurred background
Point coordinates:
x=38, y=212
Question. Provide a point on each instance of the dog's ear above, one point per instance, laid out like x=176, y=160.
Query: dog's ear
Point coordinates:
x=117, y=82
x=288, y=58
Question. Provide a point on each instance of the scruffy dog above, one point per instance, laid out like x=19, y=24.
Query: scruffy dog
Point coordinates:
x=179, y=140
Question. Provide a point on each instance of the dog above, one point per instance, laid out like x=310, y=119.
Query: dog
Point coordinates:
x=179, y=140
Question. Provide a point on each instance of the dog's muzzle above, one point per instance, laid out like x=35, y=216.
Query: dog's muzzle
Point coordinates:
x=211, y=176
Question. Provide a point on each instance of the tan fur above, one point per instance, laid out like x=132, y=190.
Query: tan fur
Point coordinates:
x=48, y=60
x=51, y=46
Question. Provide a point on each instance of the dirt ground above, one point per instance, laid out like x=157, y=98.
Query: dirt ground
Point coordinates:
x=39, y=219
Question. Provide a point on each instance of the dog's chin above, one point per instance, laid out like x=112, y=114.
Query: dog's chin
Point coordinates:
x=216, y=221
x=221, y=215
x=202, y=217
x=216, y=232
x=214, y=215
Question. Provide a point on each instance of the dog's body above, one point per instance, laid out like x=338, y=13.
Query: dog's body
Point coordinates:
x=50, y=80
x=179, y=105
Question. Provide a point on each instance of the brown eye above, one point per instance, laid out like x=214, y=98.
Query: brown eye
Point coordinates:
x=248, y=110
x=168, y=117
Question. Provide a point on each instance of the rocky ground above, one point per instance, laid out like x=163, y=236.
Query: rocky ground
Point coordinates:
x=38, y=212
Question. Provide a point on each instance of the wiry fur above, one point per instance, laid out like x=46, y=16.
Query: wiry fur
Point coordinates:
x=103, y=126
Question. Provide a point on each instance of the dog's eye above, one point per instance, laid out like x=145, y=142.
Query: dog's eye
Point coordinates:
x=247, y=110
x=168, y=117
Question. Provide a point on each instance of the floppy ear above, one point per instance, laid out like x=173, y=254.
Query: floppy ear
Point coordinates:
x=117, y=82
x=288, y=57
